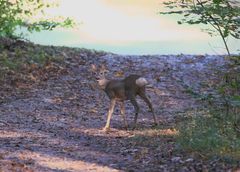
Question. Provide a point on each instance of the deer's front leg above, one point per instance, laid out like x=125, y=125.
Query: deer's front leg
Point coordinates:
x=122, y=109
x=110, y=111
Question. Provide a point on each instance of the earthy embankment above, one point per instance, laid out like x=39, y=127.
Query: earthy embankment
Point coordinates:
x=52, y=112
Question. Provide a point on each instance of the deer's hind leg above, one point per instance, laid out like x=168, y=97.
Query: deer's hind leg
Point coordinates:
x=142, y=94
x=136, y=107
x=122, y=109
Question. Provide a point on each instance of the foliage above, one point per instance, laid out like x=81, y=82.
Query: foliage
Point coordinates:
x=5, y=62
x=212, y=135
x=29, y=14
x=218, y=131
x=222, y=15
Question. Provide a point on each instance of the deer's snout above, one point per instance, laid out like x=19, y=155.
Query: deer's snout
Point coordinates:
x=97, y=78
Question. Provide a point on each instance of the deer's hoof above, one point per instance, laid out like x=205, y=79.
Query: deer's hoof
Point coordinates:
x=134, y=127
x=106, y=129
x=126, y=127
x=155, y=124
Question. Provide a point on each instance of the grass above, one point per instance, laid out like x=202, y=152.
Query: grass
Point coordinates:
x=5, y=62
x=216, y=131
x=18, y=58
x=210, y=135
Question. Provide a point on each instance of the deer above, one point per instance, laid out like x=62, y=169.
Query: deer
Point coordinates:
x=120, y=90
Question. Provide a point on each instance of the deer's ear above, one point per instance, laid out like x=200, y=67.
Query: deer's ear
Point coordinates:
x=94, y=68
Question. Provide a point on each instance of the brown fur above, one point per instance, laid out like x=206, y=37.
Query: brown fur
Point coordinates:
x=125, y=89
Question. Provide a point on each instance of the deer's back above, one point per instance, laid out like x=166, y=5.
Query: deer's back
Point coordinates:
x=116, y=89
x=132, y=89
x=123, y=89
x=131, y=80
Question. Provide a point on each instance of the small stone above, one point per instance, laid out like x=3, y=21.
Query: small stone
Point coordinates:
x=189, y=160
x=176, y=159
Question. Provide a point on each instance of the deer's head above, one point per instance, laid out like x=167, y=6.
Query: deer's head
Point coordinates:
x=100, y=74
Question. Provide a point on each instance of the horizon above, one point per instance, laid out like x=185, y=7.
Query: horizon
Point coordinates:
x=128, y=27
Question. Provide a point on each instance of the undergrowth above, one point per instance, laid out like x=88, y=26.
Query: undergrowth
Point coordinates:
x=210, y=135
x=20, y=58
x=217, y=132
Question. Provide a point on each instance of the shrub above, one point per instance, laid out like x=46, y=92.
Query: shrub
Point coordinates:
x=28, y=14
x=217, y=132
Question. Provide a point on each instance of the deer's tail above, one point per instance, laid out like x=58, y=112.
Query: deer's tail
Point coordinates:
x=141, y=82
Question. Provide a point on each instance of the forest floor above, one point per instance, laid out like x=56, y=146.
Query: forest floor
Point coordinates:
x=52, y=115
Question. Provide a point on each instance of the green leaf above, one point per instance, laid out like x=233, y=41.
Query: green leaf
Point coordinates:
x=224, y=17
x=20, y=14
x=217, y=1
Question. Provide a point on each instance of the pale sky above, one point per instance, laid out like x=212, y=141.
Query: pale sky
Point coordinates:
x=124, y=20
x=128, y=27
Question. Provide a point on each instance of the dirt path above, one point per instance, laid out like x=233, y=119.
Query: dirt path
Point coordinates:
x=56, y=124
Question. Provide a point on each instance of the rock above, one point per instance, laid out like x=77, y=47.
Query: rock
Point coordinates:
x=189, y=160
x=176, y=159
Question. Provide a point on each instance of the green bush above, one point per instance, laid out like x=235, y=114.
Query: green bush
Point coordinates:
x=210, y=135
x=5, y=62
x=25, y=13
x=217, y=132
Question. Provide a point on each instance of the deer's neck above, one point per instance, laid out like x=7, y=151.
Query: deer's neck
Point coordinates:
x=103, y=83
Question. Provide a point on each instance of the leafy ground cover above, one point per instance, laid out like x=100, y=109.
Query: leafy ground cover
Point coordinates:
x=52, y=111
